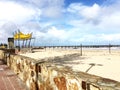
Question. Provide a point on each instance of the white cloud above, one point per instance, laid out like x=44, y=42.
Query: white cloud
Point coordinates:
x=49, y=8
x=6, y=30
x=53, y=32
x=96, y=14
x=102, y=16
x=45, y=3
x=60, y=34
x=91, y=12
x=75, y=7
x=96, y=23
x=11, y=11
x=52, y=12
x=110, y=23
x=52, y=36
x=84, y=11
x=12, y=15
x=26, y=14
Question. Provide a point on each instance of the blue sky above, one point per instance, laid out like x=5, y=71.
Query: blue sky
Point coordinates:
x=85, y=2
x=62, y=22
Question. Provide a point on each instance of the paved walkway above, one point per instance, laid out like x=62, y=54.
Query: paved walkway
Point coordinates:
x=8, y=79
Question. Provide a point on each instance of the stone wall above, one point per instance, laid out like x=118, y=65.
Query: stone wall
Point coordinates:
x=45, y=75
x=2, y=54
x=25, y=68
x=52, y=77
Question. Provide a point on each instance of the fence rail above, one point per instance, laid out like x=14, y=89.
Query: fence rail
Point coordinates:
x=78, y=46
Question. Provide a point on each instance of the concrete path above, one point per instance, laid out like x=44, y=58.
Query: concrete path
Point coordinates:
x=8, y=79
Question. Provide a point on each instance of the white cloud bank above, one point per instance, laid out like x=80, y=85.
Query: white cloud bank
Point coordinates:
x=99, y=23
x=11, y=11
x=25, y=15
x=11, y=15
x=81, y=23
x=49, y=8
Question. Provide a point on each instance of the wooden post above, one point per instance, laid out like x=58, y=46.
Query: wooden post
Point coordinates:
x=29, y=43
x=18, y=39
x=23, y=44
x=15, y=39
x=26, y=43
x=45, y=47
x=81, y=49
x=109, y=48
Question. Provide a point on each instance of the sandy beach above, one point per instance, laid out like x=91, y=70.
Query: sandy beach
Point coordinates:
x=93, y=61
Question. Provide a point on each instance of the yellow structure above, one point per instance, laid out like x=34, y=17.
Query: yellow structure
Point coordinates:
x=19, y=36
x=22, y=36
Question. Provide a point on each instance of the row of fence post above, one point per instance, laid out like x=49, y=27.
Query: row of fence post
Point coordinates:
x=81, y=48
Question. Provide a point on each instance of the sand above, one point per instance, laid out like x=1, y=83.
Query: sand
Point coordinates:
x=93, y=61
